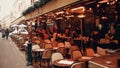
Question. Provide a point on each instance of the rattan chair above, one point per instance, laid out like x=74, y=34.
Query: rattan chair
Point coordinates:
x=46, y=57
x=61, y=44
x=35, y=55
x=76, y=54
x=62, y=50
x=101, y=51
x=90, y=52
x=72, y=48
x=34, y=47
x=56, y=56
x=78, y=65
x=47, y=41
x=48, y=46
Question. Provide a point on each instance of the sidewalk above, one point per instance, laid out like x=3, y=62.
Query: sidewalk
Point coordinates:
x=10, y=55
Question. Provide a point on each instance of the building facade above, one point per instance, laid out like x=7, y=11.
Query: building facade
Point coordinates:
x=18, y=7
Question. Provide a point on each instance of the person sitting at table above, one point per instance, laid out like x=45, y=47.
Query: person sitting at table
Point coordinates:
x=67, y=32
x=43, y=34
x=111, y=36
x=94, y=38
x=36, y=25
x=111, y=33
x=77, y=40
x=59, y=37
x=66, y=35
x=63, y=37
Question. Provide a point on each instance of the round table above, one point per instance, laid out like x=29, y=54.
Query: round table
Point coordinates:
x=63, y=63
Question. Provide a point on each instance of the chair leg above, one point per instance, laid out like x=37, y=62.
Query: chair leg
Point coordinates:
x=34, y=64
x=46, y=63
x=38, y=64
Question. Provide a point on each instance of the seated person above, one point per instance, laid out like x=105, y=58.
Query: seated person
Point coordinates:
x=111, y=33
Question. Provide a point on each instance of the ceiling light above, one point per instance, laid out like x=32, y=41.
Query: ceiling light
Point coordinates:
x=61, y=12
x=70, y=16
x=103, y=1
x=81, y=16
x=82, y=8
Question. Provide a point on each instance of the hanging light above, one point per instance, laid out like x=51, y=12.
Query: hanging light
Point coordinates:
x=98, y=5
x=70, y=16
x=81, y=16
x=100, y=26
x=82, y=8
x=103, y=1
x=104, y=17
x=61, y=12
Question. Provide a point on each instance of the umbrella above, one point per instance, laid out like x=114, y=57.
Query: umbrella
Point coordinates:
x=15, y=31
x=15, y=25
x=22, y=25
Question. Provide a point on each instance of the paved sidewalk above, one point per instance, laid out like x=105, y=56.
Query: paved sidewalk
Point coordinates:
x=10, y=55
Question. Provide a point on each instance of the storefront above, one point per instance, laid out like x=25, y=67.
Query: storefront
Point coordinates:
x=67, y=14
x=80, y=16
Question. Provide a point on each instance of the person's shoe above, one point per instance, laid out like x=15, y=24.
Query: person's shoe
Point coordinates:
x=29, y=63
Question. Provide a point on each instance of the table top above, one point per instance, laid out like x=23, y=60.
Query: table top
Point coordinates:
x=109, y=61
x=63, y=63
x=39, y=50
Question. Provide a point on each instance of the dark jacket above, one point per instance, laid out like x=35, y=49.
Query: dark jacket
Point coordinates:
x=7, y=32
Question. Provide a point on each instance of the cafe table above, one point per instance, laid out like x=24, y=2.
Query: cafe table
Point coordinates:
x=63, y=63
x=108, y=61
x=37, y=54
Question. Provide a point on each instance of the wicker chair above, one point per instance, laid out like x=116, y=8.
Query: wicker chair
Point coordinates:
x=76, y=54
x=48, y=46
x=46, y=57
x=90, y=52
x=78, y=65
x=62, y=50
x=61, y=44
x=56, y=56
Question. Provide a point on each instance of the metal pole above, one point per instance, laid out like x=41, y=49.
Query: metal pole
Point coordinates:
x=81, y=23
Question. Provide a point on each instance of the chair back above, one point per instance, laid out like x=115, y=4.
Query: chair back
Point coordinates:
x=47, y=41
x=78, y=65
x=76, y=54
x=37, y=42
x=67, y=44
x=61, y=44
x=90, y=52
x=102, y=41
x=62, y=50
x=34, y=47
x=101, y=51
x=34, y=38
x=56, y=56
x=107, y=41
x=54, y=43
x=72, y=48
x=48, y=46
x=47, y=53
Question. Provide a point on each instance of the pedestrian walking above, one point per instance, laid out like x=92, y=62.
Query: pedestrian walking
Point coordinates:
x=3, y=33
x=7, y=33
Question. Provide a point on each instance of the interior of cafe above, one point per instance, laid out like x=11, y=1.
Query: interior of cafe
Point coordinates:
x=86, y=33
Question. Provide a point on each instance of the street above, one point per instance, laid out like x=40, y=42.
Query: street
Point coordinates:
x=10, y=55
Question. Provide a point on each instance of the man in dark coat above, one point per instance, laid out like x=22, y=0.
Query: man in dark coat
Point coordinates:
x=29, y=51
x=7, y=33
